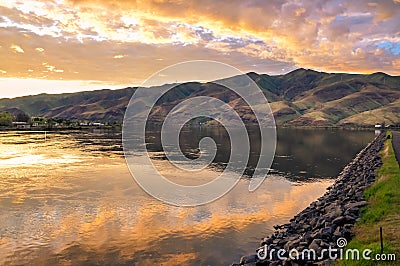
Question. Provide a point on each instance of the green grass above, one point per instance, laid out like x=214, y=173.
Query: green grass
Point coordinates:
x=383, y=211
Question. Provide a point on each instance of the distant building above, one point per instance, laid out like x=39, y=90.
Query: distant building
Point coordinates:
x=97, y=124
x=23, y=125
x=38, y=121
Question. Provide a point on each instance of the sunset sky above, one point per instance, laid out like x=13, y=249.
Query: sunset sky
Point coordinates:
x=64, y=46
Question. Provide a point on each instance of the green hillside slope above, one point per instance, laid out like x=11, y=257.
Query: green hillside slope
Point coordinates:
x=301, y=97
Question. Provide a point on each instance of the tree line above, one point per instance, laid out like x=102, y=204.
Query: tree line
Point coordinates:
x=6, y=119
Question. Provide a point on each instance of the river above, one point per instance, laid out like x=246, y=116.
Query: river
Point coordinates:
x=68, y=198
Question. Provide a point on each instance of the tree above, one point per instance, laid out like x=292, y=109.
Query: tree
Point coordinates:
x=50, y=123
x=5, y=119
x=22, y=117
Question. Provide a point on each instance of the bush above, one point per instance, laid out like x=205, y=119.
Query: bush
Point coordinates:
x=5, y=119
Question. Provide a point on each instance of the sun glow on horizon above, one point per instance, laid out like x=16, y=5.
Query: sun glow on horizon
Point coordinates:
x=13, y=87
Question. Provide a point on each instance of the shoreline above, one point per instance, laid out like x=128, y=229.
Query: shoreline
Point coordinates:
x=326, y=220
x=378, y=228
x=55, y=129
x=119, y=128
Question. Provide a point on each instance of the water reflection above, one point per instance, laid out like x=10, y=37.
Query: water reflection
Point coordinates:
x=69, y=199
x=301, y=154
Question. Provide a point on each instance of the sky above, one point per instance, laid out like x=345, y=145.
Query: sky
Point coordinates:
x=73, y=45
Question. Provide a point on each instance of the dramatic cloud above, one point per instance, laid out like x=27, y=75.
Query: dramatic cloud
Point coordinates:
x=17, y=49
x=126, y=41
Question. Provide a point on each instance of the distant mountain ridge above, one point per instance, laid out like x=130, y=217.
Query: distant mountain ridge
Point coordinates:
x=300, y=98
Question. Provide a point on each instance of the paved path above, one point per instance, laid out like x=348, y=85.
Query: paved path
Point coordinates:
x=396, y=144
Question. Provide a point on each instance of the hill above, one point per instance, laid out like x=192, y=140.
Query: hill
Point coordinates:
x=301, y=97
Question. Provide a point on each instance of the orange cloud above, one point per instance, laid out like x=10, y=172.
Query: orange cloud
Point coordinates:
x=17, y=48
x=81, y=36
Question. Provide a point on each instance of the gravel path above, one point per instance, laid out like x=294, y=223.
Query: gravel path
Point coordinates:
x=396, y=144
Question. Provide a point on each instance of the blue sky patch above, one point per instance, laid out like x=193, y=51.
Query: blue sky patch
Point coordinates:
x=391, y=47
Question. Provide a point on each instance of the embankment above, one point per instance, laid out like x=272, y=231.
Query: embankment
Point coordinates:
x=378, y=229
x=327, y=222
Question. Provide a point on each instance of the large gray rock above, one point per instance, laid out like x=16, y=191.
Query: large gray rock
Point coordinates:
x=248, y=259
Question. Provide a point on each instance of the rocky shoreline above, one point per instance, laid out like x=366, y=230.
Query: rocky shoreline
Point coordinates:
x=327, y=222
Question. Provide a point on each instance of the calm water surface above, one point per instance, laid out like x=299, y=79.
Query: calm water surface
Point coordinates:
x=68, y=198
